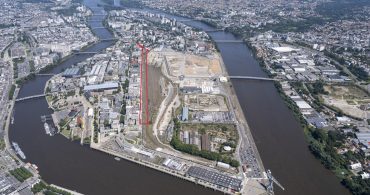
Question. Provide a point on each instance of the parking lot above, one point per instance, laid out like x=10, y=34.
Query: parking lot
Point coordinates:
x=249, y=161
x=6, y=162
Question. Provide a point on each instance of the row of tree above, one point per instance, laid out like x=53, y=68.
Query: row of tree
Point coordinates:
x=21, y=174
x=47, y=189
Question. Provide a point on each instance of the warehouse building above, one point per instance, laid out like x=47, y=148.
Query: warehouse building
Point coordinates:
x=101, y=87
x=71, y=72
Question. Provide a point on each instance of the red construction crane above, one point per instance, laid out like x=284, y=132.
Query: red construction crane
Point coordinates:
x=144, y=57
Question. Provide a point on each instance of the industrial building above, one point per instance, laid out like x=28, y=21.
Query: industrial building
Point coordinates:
x=71, y=72
x=364, y=138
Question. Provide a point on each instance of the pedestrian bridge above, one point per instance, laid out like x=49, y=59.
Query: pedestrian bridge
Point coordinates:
x=30, y=97
x=253, y=78
x=39, y=95
x=186, y=20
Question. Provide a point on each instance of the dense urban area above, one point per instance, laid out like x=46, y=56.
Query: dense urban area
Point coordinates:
x=160, y=95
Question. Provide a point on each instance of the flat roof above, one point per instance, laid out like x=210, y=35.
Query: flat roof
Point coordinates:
x=108, y=85
x=283, y=49
x=303, y=105
x=70, y=71
x=364, y=138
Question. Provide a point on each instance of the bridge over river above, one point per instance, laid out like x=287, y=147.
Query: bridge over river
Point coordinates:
x=39, y=95
x=253, y=78
x=30, y=97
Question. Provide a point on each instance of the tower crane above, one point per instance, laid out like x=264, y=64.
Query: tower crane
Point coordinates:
x=144, y=67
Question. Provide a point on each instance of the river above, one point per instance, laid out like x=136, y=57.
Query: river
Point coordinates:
x=277, y=133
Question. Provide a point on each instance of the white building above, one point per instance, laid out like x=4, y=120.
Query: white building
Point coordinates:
x=355, y=166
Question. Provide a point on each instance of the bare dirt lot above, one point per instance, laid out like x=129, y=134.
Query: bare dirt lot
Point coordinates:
x=350, y=99
x=190, y=65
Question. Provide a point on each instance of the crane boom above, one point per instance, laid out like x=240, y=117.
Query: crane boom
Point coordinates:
x=272, y=180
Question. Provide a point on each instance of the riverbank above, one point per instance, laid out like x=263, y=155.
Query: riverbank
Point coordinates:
x=8, y=145
x=71, y=165
x=242, y=120
x=159, y=168
x=53, y=154
x=276, y=129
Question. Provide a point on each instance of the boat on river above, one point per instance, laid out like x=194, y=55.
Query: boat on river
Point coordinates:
x=47, y=129
x=18, y=150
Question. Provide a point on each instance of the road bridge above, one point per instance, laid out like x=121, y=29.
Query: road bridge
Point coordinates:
x=253, y=78
x=215, y=30
x=112, y=39
x=40, y=74
x=85, y=52
x=102, y=27
x=186, y=20
x=228, y=41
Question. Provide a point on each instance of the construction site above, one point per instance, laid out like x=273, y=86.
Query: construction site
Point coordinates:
x=178, y=113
